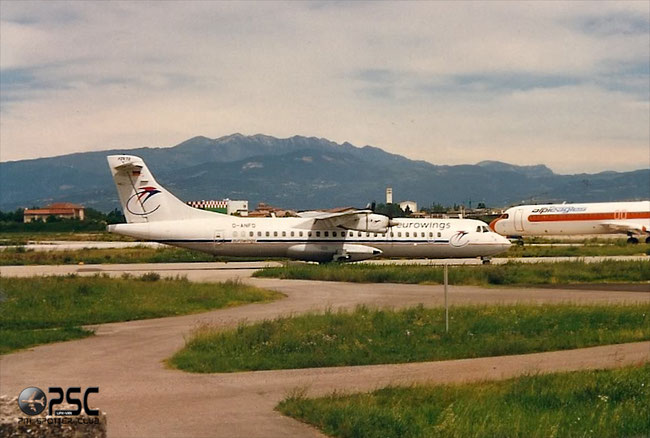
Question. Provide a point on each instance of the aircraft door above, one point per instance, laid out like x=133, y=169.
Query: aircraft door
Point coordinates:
x=519, y=219
x=218, y=237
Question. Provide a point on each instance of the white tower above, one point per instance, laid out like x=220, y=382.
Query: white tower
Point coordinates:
x=389, y=195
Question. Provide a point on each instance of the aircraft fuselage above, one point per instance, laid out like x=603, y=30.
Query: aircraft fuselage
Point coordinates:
x=299, y=238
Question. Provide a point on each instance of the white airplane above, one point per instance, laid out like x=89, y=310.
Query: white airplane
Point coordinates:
x=631, y=218
x=153, y=213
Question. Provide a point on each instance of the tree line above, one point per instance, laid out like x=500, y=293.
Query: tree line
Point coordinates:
x=94, y=220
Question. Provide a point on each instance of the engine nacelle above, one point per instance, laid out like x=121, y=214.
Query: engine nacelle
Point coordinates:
x=317, y=252
x=367, y=222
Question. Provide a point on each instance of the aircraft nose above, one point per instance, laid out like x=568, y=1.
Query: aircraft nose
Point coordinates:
x=503, y=243
x=493, y=224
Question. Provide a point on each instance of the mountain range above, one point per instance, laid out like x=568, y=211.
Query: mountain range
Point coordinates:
x=305, y=173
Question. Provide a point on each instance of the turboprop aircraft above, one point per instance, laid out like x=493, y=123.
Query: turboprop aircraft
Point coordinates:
x=153, y=213
x=631, y=218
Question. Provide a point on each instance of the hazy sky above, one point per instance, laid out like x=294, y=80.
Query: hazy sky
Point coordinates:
x=566, y=84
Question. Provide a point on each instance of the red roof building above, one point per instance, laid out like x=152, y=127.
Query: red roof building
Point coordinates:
x=65, y=210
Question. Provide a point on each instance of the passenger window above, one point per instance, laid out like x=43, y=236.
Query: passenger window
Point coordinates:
x=430, y=234
x=308, y=233
x=284, y=234
x=399, y=234
x=275, y=234
x=406, y=234
x=375, y=235
x=359, y=234
x=267, y=234
x=292, y=234
x=259, y=234
x=300, y=233
x=367, y=234
x=391, y=234
x=251, y=234
x=333, y=233
x=327, y=233
x=439, y=234
x=422, y=235
x=317, y=233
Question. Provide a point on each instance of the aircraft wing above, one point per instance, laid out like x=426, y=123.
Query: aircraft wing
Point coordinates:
x=361, y=220
x=322, y=215
x=624, y=227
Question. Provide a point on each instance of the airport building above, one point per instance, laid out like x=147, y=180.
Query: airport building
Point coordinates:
x=64, y=210
x=225, y=206
x=266, y=210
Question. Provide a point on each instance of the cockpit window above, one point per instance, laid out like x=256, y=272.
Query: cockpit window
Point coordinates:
x=504, y=216
x=478, y=229
x=485, y=229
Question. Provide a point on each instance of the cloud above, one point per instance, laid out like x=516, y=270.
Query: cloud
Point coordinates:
x=448, y=82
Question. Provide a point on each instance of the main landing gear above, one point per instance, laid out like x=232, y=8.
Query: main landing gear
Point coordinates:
x=633, y=240
x=486, y=260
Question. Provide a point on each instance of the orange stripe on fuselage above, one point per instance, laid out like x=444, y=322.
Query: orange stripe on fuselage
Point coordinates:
x=589, y=216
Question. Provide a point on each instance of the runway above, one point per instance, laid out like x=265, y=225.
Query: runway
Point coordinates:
x=142, y=397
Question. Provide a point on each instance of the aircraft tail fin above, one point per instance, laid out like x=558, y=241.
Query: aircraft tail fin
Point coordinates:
x=142, y=198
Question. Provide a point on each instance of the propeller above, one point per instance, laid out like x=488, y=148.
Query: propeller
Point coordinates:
x=372, y=206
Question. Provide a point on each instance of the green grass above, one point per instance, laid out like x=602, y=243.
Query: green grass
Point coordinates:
x=603, y=403
x=48, y=309
x=365, y=336
x=511, y=273
x=585, y=250
x=21, y=238
x=20, y=256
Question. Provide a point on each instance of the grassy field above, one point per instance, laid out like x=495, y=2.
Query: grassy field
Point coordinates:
x=366, y=336
x=508, y=274
x=37, y=310
x=617, y=248
x=20, y=256
x=21, y=238
x=603, y=403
